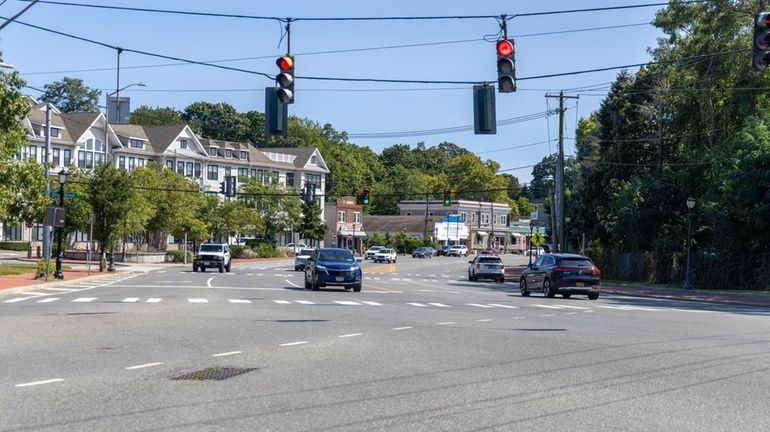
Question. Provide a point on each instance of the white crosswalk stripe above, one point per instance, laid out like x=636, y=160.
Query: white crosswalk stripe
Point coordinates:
x=48, y=300
x=371, y=303
x=239, y=301
x=417, y=304
x=439, y=305
x=18, y=299
x=347, y=303
x=84, y=300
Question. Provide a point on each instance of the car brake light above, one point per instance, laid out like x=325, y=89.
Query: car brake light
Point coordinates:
x=596, y=271
x=559, y=269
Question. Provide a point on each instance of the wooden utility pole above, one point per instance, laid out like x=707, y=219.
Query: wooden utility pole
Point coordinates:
x=559, y=177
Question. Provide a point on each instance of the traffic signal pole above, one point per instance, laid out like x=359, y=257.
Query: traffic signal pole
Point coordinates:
x=558, y=208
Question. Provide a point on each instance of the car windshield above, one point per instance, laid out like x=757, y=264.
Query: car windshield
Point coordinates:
x=335, y=255
x=386, y=251
x=305, y=252
x=576, y=262
x=211, y=248
x=490, y=260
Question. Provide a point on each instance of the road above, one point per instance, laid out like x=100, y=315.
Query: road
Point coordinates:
x=419, y=349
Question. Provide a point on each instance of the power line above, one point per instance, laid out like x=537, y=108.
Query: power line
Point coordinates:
x=13, y=18
x=514, y=147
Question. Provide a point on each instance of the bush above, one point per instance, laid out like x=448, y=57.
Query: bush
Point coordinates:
x=178, y=256
x=267, y=250
x=40, y=271
x=14, y=245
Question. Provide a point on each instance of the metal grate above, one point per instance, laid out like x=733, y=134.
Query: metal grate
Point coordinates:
x=213, y=373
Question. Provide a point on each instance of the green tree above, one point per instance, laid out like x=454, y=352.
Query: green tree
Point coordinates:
x=216, y=121
x=111, y=196
x=158, y=116
x=21, y=191
x=71, y=95
x=13, y=106
x=311, y=227
x=278, y=207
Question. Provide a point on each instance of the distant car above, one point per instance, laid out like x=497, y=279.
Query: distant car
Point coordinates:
x=564, y=274
x=332, y=266
x=534, y=251
x=489, y=251
x=442, y=250
x=212, y=255
x=423, y=252
x=296, y=247
x=301, y=258
x=458, y=251
x=486, y=267
x=384, y=255
x=369, y=254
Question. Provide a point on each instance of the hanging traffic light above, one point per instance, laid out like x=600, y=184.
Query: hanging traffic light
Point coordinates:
x=232, y=186
x=506, y=66
x=760, y=58
x=308, y=195
x=365, y=197
x=223, y=187
x=484, y=114
x=447, y=198
x=285, y=79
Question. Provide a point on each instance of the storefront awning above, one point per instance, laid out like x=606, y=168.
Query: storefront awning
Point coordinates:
x=482, y=233
x=356, y=234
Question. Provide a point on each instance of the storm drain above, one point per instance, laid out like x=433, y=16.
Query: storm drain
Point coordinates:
x=213, y=373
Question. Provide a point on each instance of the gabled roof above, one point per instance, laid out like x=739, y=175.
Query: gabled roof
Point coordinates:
x=78, y=123
x=303, y=155
x=162, y=136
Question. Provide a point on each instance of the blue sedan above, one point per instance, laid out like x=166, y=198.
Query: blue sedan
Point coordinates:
x=332, y=266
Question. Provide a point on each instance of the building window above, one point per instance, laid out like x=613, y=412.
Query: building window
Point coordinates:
x=33, y=152
x=243, y=173
x=67, y=157
x=122, y=162
x=136, y=143
x=170, y=165
x=253, y=172
x=131, y=163
x=228, y=153
x=314, y=179
x=212, y=151
x=342, y=216
x=244, y=155
x=473, y=218
x=180, y=168
x=56, y=157
x=503, y=220
x=357, y=217
x=140, y=162
x=54, y=132
x=90, y=153
x=188, y=172
x=277, y=176
x=228, y=170
x=85, y=159
x=289, y=179
x=463, y=216
x=81, y=236
x=197, y=170
x=183, y=144
x=313, y=160
x=261, y=175
x=485, y=218
x=213, y=172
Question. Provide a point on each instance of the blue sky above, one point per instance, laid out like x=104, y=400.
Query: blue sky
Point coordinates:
x=455, y=51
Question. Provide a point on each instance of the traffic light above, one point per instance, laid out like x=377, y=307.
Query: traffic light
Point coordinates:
x=484, y=115
x=232, y=185
x=363, y=197
x=223, y=187
x=285, y=79
x=506, y=66
x=447, y=199
x=276, y=114
x=761, y=50
x=308, y=195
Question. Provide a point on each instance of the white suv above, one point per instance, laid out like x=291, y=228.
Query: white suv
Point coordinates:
x=212, y=255
x=458, y=251
x=385, y=254
x=369, y=254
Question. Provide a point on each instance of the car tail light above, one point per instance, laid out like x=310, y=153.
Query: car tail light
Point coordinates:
x=559, y=269
x=595, y=271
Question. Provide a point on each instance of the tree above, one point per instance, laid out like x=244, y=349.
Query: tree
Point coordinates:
x=71, y=95
x=111, y=196
x=216, y=121
x=311, y=227
x=21, y=191
x=158, y=116
x=13, y=106
x=278, y=207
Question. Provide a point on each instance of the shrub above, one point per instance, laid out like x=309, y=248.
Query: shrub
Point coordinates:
x=237, y=251
x=267, y=250
x=14, y=245
x=40, y=271
x=178, y=256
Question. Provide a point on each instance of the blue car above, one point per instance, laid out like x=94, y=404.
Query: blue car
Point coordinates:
x=332, y=266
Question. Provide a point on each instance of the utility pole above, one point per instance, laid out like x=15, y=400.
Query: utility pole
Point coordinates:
x=425, y=232
x=47, y=189
x=559, y=177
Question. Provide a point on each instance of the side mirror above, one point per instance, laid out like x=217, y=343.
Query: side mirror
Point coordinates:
x=471, y=261
x=533, y=267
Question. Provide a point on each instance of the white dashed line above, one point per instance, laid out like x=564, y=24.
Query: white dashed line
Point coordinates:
x=572, y=307
x=130, y=300
x=350, y=335
x=503, y=306
x=141, y=366
x=587, y=311
x=304, y=302
x=40, y=382
x=348, y=303
x=446, y=323
x=485, y=320
x=226, y=354
x=197, y=300
x=153, y=300
x=239, y=301
x=293, y=343
x=17, y=299
x=546, y=306
x=571, y=313
x=417, y=304
x=48, y=300
x=401, y=328
x=282, y=301
x=439, y=305
x=371, y=303
x=479, y=305
x=84, y=300
x=546, y=315
x=518, y=317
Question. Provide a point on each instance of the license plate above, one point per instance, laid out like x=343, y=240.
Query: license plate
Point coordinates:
x=207, y=263
x=339, y=278
x=580, y=284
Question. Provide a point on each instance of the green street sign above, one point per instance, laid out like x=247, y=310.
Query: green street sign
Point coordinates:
x=537, y=239
x=66, y=194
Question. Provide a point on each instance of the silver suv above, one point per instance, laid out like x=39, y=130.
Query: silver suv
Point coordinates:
x=212, y=255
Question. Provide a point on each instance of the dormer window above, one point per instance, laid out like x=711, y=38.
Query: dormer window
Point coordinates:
x=228, y=153
x=183, y=144
x=313, y=160
x=212, y=151
x=136, y=143
x=54, y=132
x=244, y=155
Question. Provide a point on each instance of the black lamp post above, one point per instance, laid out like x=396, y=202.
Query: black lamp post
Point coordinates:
x=687, y=276
x=62, y=180
x=567, y=220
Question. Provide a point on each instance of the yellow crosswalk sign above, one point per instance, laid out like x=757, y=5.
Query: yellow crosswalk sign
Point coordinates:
x=536, y=239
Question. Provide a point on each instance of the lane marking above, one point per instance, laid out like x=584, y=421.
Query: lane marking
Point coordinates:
x=349, y=335
x=239, y=301
x=282, y=301
x=571, y=313
x=503, y=306
x=572, y=307
x=153, y=300
x=40, y=382
x=17, y=299
x=401, y=328
x=546, y=315
x=439, y=305
x=197, y=300
x=371, y=303
x=518, y=317
x=304, y=302
x=417, y=304
x=589, y=310
x=84, y=300
x=446, y=323
x=348, y=303
x=291, y=283
x=227, y=354
x=61, y=289
x=293, y=343
x=208, y=282
x=141, y=366
x=130, y=300
x=48, y=300
x=485, y=320
x=34, y=294
x=479, y=305
x=547, y=306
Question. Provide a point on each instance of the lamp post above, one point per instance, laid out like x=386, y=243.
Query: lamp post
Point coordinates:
x=529, y=242
x=117, y=100
x=6, y=65
x=62, y=180
x=566, y=233
x=687, y=271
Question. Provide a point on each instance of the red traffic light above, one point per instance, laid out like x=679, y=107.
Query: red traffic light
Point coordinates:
x=504, y=48
x=285, y=63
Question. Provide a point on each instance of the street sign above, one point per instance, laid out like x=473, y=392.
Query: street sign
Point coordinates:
x=536, y=239
x=66, y=194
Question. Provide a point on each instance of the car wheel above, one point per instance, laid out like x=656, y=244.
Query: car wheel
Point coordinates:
x=593, y=296
x=227, y=267
x=357, y=287
x=307, y=284
x=394, y=260
x=221, y=268
x=566, y=295
x=473, y=278
x=195, y=268
x=501, y=280
x=314, y=284
x=523, y=288
x=203, y=269
x=548, y=290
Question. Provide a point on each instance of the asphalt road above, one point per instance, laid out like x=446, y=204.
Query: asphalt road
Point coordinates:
x=419, y=349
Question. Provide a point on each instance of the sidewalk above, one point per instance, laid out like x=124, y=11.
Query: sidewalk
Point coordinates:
x=28, y=280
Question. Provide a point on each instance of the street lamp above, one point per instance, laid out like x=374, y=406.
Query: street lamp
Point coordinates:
x=687, y=276
x=117, y=99
x=6, y=65
x=566, y=233
x=62, y=180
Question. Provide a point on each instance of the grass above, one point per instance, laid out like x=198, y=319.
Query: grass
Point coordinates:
x=17, y=269
x=679, y=287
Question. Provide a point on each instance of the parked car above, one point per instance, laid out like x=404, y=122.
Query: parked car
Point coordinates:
x=369, y=254
x=564, y=274
x=332, y=266
x=212, y=255
x=442, y=250
x=423, y=252
x=534, y=251
x=301, y=258
x=458, y=251
x=296, y=247
x=385, y=254
x=486, y=267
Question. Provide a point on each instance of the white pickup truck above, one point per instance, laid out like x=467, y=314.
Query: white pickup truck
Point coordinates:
x=384, y=255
